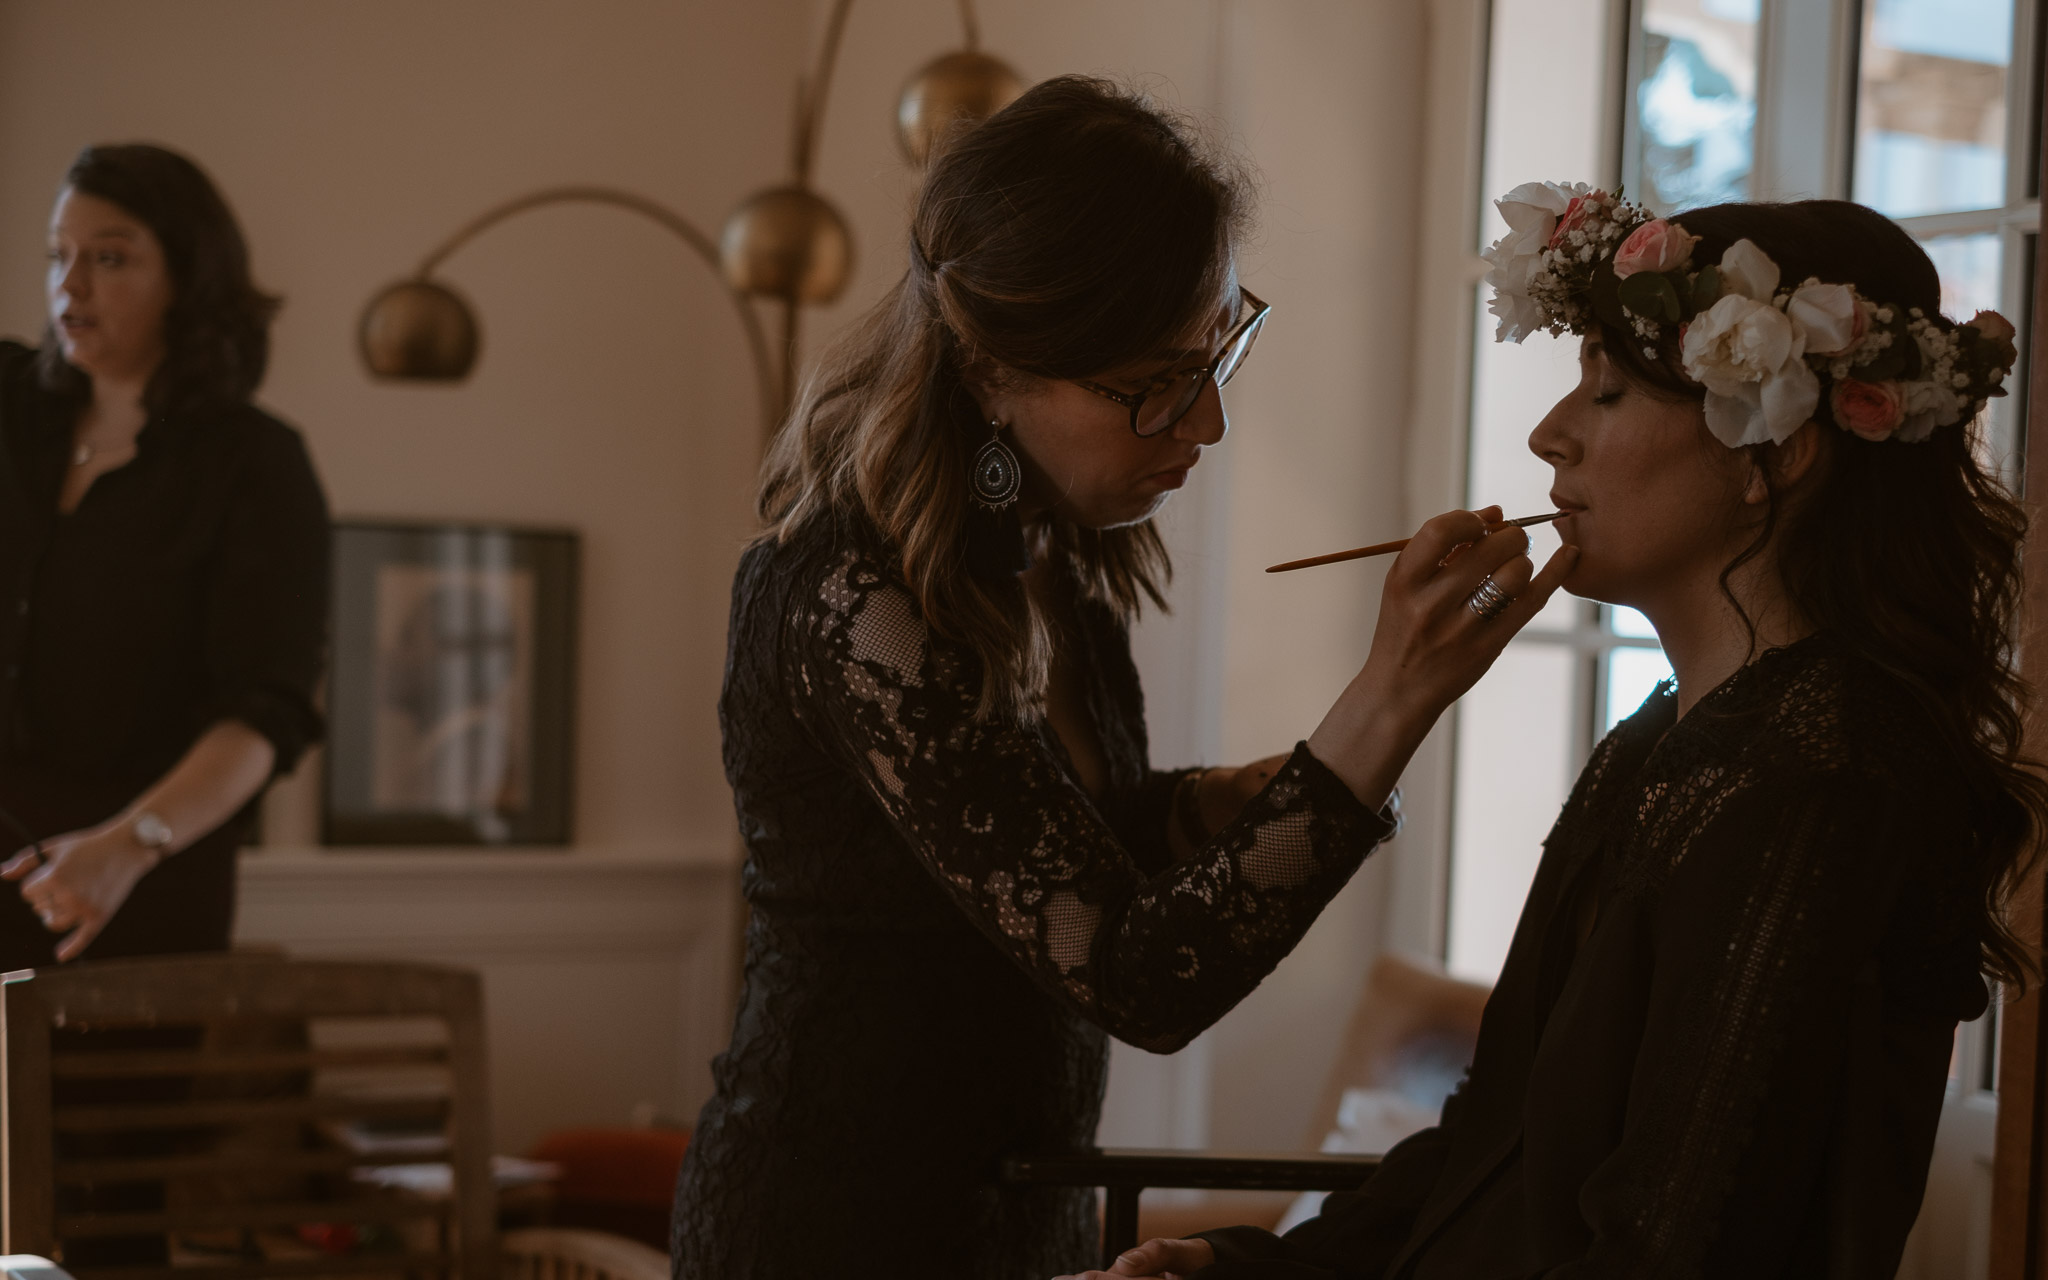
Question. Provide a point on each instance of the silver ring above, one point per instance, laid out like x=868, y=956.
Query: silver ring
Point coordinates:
x=1489, y=601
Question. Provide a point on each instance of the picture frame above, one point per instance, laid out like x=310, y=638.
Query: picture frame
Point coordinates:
x=451, y=693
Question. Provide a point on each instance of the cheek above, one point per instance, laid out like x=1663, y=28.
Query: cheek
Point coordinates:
x=1657, y=503
x=131, y=301
x=1072, y=444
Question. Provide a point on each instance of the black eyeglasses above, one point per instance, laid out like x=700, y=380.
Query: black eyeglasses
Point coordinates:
x=1168, y=400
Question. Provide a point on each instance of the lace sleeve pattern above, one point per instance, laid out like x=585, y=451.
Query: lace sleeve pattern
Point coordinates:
x=995, y=818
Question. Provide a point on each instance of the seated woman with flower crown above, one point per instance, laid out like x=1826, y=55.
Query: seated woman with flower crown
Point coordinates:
x=1719, y=1044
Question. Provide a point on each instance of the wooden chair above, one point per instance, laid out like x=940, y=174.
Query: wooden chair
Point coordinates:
x=216, y=1113
x=561, y=1253
x=1411, y=1022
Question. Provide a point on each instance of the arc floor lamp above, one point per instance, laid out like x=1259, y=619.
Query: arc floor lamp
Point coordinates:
x=786, y=244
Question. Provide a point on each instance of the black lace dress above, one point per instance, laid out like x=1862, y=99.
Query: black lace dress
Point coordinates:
x=1720, y=1041
x=944, y=926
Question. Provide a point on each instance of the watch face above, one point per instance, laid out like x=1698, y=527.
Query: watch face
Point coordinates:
x=151, y=831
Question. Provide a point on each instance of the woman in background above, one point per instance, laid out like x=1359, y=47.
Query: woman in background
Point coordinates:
x=1721, y=1038
x=163, y=573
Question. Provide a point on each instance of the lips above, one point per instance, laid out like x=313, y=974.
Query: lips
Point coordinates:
x=1565, y=505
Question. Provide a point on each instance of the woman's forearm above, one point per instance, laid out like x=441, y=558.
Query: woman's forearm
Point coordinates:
x=226, y=767
x=1367, y=740
x=77, y=881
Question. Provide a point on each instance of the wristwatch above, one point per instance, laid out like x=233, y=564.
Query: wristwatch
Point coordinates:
x=152, y=833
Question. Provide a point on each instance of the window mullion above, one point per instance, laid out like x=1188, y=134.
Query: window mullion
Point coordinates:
x=1804, y=121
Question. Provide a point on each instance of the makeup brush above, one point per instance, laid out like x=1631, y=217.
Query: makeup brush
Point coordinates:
x=1387, y=548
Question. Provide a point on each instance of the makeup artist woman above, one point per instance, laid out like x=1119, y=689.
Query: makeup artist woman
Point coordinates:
x=163, y=562
x=964, y=873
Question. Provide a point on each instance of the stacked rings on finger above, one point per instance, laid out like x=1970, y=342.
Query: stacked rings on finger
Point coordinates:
x=1489, y=601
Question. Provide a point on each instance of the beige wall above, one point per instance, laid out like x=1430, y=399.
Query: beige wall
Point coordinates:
x=351, y=134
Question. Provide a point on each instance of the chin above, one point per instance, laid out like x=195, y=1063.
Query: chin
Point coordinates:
x=1121, y=515
x=83, y=357
x=1587, y=582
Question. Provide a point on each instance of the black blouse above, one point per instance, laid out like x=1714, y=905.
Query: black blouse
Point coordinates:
x=189, y=587
x=944, y=926
x=1721, y=1038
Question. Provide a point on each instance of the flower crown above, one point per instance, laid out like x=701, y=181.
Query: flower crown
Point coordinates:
x=1575, y=256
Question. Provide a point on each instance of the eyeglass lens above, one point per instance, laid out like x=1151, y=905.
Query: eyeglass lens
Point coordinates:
x=1171, y=403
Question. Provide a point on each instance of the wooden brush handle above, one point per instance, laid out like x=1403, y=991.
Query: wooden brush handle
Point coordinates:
x=1384, y=548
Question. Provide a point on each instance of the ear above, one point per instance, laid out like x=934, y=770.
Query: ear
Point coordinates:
x=984, y=382
x=1790, y=463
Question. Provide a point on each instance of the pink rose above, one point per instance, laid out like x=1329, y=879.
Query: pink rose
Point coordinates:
x=1575, y=215
x=1998, y=334
x=1993, y=326
x=1657, y=245
x=1872, y=410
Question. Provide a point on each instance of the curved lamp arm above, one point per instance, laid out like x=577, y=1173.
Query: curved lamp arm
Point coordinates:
x=757, y=342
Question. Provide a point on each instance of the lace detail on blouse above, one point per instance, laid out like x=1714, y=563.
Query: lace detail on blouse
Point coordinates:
x=1022, y=850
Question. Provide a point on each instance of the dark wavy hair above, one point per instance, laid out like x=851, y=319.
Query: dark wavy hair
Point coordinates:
x=1080, y=229
x=1908, y=554
x=217, y=330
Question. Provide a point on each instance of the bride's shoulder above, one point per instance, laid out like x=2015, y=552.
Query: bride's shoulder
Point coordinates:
x=1829, y=712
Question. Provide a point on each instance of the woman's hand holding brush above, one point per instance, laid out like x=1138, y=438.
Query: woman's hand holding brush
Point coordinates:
x=1457, y=593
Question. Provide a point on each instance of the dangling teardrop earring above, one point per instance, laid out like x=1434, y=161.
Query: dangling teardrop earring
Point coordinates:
x=995, y=478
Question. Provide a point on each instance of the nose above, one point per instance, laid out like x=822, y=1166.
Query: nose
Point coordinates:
x=69, y=279
x=1205, y=422
x=1552, y=440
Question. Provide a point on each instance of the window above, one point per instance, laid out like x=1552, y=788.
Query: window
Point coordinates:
x=1693, y=123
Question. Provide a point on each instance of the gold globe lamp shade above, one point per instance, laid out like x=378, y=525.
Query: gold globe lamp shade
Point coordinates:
x=420, y=331
x=964, y=86
x=789, y=243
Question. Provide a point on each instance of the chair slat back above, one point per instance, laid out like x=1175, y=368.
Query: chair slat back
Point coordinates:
x=221, y=1117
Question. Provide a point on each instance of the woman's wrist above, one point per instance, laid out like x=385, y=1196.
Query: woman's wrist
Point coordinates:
x=138, y=837
x=1368, y=738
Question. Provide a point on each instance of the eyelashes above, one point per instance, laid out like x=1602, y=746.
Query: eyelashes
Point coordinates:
x=1607, y=397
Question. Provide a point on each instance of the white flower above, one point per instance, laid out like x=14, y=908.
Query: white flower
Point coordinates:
x=1928, y=405
x=1751, y=359
x=1739, y=340
x=1828, y=314
x=1531, y=211
x=1749, y=271
x=1520, y=315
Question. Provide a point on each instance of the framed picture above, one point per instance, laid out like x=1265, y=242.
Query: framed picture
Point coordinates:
x=451, y=701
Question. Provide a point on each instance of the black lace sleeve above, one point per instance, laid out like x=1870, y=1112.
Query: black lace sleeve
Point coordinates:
x=1027, y=856
x=1767, y=928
